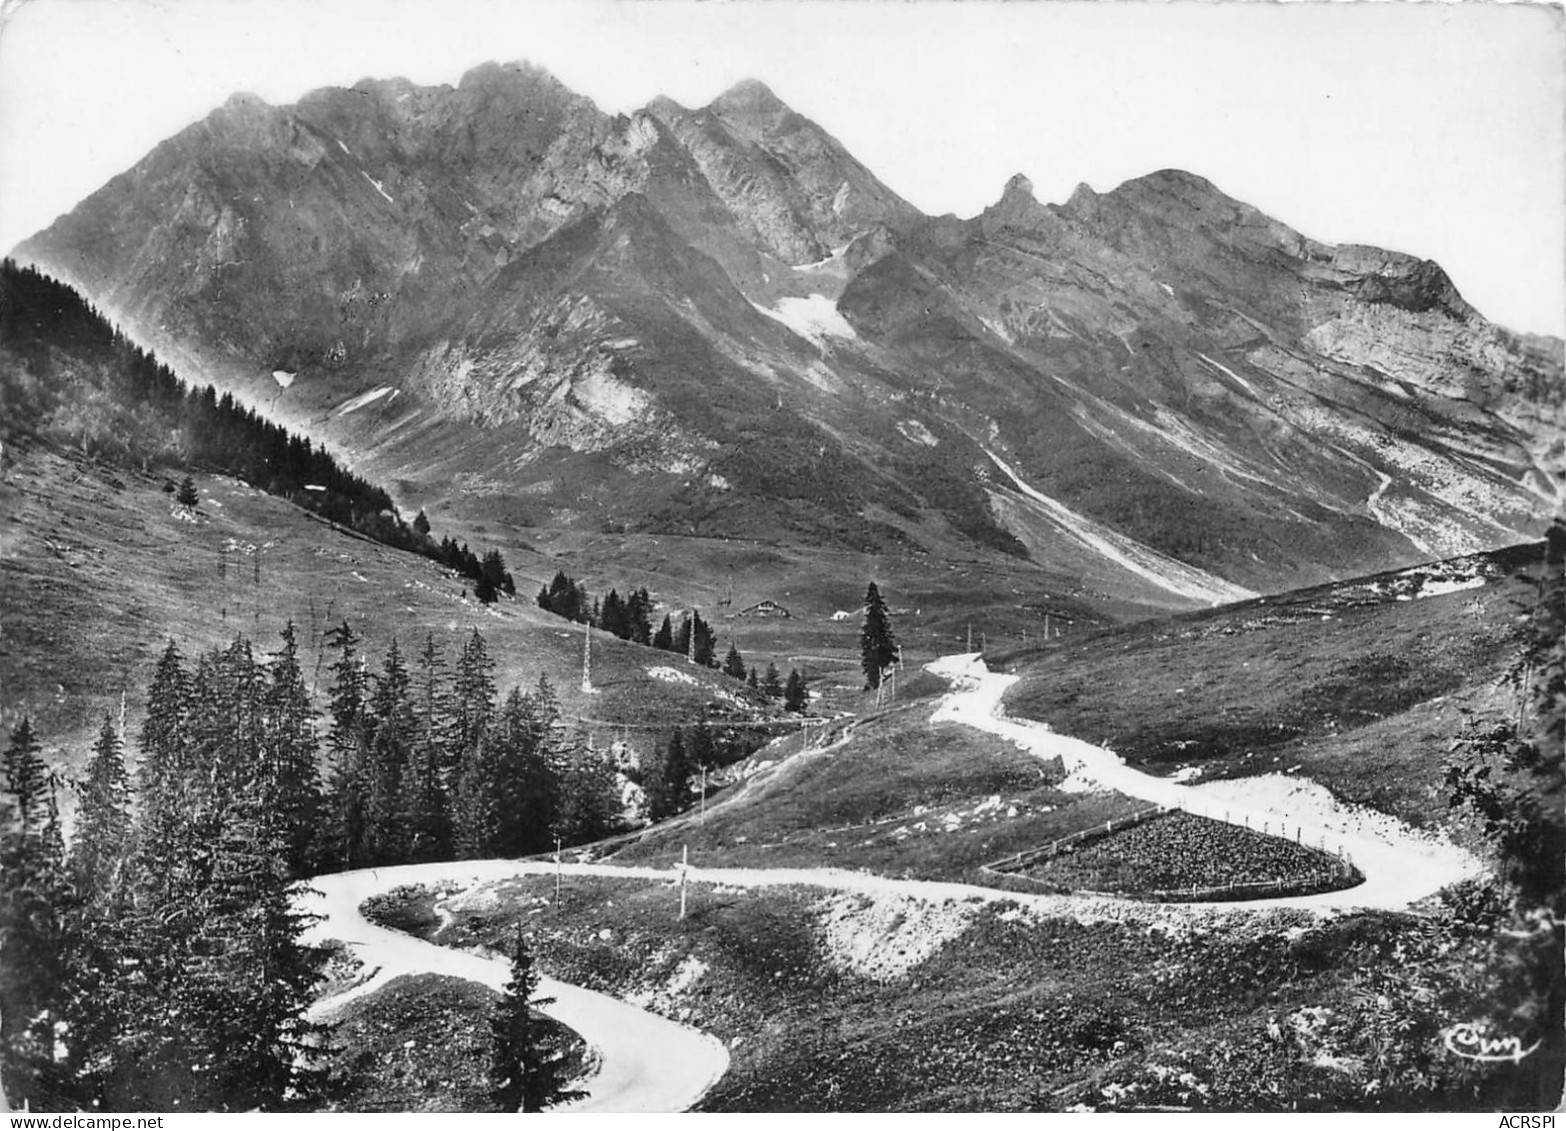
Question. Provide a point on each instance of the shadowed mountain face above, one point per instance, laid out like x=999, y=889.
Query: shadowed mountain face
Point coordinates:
x=715, y=321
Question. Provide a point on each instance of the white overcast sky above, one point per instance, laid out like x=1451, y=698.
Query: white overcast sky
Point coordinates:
x=1436, y=129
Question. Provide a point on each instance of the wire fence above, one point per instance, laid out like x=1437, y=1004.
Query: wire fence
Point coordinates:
x=1031, y=856
x=1334, y=873
x=1336, y=877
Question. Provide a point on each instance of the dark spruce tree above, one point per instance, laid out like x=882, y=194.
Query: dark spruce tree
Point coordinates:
x=590, y=807
x=667, y=780
x=348, y=742
x=614, y=617
x=291, y=752
x=210, y=1014
x=638, y=613
x=663, y=639
x=734, y=663
x=187, y=496
x=877, y=644
x=772, y=685
x=425, y=787
x=103, y=824
x=35, y=900
x=528, y=1069
x=795, y=697
x=386, y=835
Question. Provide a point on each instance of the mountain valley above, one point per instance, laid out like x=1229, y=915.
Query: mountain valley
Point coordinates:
x=1218, y=765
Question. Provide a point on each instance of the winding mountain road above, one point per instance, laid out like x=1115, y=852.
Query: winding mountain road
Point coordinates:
x=648, y=1063
x=1400, y=865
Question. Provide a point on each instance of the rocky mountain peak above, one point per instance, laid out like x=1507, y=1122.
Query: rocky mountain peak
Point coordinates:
x=1017, y=207
x=1018, y=187
x=665, y=108
x=519, y=79
x=748, y=98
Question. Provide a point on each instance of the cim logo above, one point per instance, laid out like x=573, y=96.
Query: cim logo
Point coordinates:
x=1470, y=1043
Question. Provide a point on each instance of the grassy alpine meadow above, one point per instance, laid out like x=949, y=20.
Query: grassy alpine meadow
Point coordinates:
x=101, y=568
x=894, y=794
x=1361, y=686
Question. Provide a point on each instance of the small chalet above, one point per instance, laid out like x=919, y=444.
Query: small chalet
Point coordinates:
x=768, y=608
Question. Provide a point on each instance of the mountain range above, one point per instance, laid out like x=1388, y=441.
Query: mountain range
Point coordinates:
x=522, y=313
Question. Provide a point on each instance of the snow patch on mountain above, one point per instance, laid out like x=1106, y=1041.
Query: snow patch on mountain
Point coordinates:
x=815, y=318
x=365, y=399
x=380, y=188
x=1235, y=377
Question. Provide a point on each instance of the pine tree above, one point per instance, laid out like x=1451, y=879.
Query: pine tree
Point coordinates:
x=476, y=816
x=251, y=978
x=421, y=524
x=638, y=614
x=349, y=745
x=702, y=748
x=208, y=1011
x=752, y=679
x=26, y=780
x=528, y=794
x=614, y=616
x=663, y=639
x=386, y=836
x=706, y=652
x=528, y=1068
x=667, y=780
x=425, y=787
x=877, y=644
x=772, y=685
x=590, y=806
x=795, y=696
x=34, y=902
x=474, y=692
x=291, y=748
x=103, y=827
x=187, y=496
x=161, y=777
x=733, y=663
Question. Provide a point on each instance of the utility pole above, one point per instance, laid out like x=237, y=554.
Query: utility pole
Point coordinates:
x=690, y=643
x=587, y=658
x=703, y=818
x=557, y=873
x=685, y=863
x=1046, y=626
